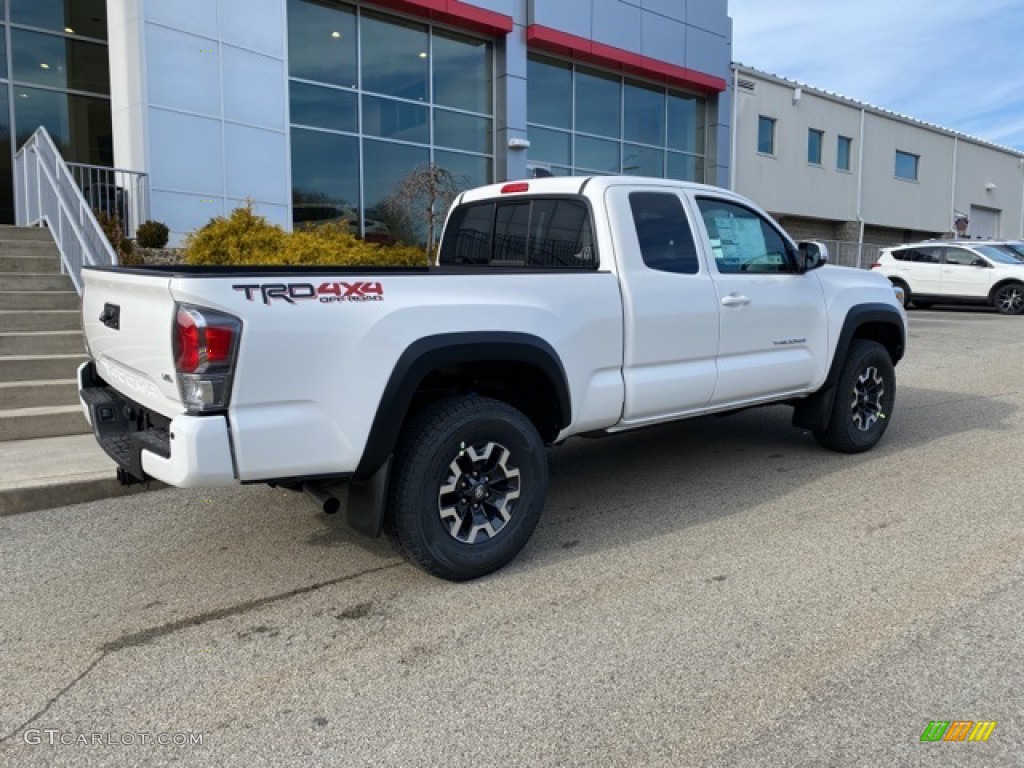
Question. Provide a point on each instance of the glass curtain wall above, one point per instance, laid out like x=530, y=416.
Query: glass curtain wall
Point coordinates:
x=376, y=102
x=586, y=121
x=54, y=72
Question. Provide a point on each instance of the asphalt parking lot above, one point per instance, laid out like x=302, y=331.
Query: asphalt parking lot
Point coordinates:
x=720, y=592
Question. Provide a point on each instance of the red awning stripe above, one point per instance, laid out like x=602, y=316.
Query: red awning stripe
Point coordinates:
x=455, y=13
x=579, y=48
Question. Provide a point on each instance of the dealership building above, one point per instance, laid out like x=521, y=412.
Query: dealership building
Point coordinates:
x=308, y=107
x=317, y=109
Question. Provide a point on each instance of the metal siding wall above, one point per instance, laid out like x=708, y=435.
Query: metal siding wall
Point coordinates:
x=572, y=16
x=211, y=105
x=892, y=202
x=977, y=167
x=786, y=184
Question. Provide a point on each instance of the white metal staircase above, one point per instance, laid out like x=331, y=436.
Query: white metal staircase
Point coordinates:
x=41, y=341
x=46, y=449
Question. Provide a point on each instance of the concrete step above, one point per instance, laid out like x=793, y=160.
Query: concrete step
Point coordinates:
x=37, y=299
x=56, y=471
x=28, y=248
x=16, y=320
x=36, y=264
x=26, y=281
x=39, y=367
x=43, y=421
x=38, y=393
x=39, y=234
x=41, y=343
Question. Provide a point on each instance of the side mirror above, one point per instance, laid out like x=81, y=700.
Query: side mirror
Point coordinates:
x=811, y=255
x=979, y=262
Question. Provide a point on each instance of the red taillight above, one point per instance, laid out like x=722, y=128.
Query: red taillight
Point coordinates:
x=205, y=345
x=219, y=342
x=186, y=342
x=203, y=340
x=876, y=265
x=519, y=186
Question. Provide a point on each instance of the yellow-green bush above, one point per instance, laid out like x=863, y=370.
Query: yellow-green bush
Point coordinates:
x=244, y=238
x=241, y=238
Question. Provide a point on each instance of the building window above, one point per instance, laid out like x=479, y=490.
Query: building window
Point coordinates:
x=815, y=139
x=586, y=121
x=374, y=99
x=906, y=165
x=766, y=135
x=844, y=144
x=54, y=72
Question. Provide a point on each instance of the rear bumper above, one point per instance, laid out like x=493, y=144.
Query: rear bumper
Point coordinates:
x=186, y=451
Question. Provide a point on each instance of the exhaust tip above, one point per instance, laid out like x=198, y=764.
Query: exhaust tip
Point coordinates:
x=329, y=503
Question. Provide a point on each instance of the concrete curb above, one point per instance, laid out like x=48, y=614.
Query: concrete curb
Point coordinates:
x=55, y=471
x=15, y=501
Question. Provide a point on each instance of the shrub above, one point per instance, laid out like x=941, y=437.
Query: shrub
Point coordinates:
x=111, y=226
x=247, y=239
x=241, y=238
x=152, y=234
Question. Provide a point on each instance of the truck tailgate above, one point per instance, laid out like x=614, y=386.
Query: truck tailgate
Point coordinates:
x=128, y=320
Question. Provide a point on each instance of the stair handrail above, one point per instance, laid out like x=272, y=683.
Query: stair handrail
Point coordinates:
x=45, y=192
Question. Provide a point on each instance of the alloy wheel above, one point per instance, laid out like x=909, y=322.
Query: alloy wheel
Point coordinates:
x=866, y=404
x=479, y=491
x=1010, y=300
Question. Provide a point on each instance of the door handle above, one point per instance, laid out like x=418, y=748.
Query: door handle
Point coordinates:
x=735, y=300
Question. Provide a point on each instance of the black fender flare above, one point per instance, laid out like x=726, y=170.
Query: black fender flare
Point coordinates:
x=815, y=412
x=431, y=352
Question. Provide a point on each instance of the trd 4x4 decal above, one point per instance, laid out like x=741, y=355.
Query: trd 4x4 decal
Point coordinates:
x=327, y=293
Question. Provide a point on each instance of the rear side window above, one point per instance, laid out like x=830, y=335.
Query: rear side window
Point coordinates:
x=925, y=255
x=545, y=232
x=663, y=232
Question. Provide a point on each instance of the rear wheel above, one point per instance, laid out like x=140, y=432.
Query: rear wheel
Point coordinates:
x=864, y=399
x=468, y=488
x=1009, y=299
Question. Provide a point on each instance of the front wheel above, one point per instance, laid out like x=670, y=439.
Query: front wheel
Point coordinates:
x=468, y=487
x=1009, y=299
x=865, y=394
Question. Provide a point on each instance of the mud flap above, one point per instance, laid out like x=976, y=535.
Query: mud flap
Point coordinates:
x=367, y=499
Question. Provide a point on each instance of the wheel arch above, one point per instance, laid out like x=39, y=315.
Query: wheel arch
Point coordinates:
x=874, y=322
x=518, y=368
x=907, y=293
x=1004, y=282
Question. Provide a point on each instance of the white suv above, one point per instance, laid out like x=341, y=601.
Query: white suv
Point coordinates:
x=949, y=271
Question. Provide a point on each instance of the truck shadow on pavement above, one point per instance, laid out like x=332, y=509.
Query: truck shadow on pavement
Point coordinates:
x=618, y=490
x=624, y=488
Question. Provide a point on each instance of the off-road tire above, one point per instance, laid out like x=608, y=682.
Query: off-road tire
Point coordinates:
x=468, y=485
x=863, y=405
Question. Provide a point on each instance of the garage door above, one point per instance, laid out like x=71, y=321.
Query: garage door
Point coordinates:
x=984, y=222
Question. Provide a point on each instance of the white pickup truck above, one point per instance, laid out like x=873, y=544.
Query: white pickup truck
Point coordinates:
x=423, y=398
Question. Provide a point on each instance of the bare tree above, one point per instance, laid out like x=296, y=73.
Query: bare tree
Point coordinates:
x=420, y=201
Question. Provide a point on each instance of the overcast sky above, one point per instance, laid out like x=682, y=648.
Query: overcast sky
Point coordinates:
x=956, y=63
